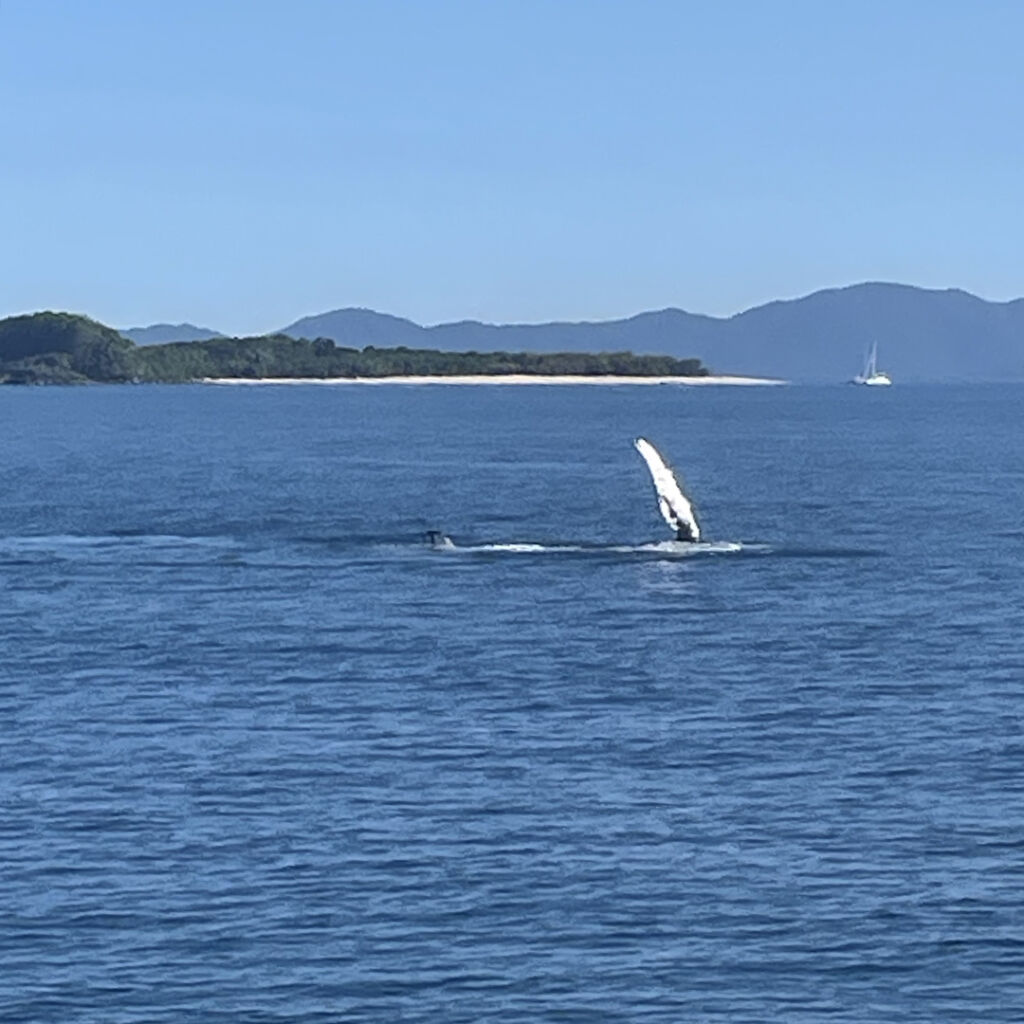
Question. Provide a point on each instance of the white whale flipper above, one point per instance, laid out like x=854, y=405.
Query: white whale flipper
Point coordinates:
x=674, y=505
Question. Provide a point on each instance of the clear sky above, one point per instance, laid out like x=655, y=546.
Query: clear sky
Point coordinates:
x=242, y=163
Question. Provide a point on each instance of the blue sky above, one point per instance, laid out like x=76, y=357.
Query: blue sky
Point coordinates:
x=241, y=163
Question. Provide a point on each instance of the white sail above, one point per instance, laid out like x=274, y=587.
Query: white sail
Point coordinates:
x=872, y=375
x=674, y=505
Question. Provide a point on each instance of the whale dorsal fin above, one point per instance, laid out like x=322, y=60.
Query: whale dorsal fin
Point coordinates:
x=675, y=507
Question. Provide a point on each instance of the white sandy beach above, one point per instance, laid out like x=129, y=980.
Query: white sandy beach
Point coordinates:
x=511, y=378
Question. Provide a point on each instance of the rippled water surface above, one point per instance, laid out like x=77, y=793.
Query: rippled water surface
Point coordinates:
x=267, y=757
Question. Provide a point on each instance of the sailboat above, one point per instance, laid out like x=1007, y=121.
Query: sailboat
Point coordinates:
x=872, y=376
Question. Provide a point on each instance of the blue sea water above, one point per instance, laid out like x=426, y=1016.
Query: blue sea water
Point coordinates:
x=266, y=757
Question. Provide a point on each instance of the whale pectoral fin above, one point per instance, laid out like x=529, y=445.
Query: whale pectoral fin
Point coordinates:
x=673, y=504
x=667, y=513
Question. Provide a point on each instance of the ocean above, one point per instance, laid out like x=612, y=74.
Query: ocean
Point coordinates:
x=269, y=757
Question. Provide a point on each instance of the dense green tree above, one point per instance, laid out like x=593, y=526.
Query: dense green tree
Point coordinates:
x=60, y=347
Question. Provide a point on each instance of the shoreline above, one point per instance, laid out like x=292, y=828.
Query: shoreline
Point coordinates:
x=499, y=379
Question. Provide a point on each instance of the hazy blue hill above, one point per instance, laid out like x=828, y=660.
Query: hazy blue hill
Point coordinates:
x=666, y=331
x=357, y=328
x=922, y=334
x=161, y=334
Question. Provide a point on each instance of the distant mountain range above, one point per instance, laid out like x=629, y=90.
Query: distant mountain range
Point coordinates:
x=922, y=334
x=160, y=334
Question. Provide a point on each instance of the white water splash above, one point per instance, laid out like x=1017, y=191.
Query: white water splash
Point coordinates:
x=670, y=548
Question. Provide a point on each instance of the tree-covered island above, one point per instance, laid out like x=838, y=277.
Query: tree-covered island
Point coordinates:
x=64, y=348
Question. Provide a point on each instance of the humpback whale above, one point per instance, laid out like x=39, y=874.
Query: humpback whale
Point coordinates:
x=675, y=507
x=673, y=504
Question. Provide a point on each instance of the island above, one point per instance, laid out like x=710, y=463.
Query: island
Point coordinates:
x=66, y=348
